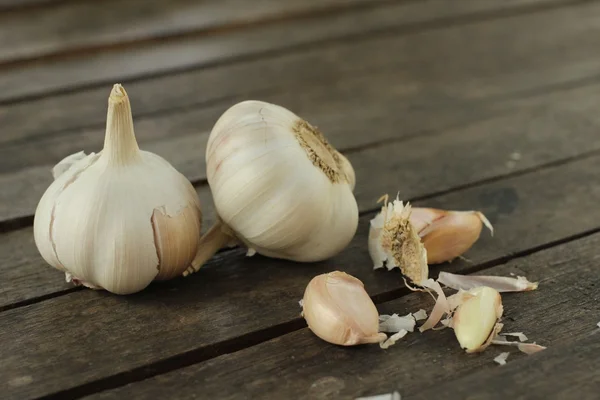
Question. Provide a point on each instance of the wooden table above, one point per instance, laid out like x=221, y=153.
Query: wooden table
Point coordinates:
x=490, y=105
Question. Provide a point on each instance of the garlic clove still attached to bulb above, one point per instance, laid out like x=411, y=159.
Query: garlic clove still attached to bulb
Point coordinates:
x=475, y=320
x=121, y=218
x=278, y=186
x=394, y=241
x=337, y=309
x=447, y=235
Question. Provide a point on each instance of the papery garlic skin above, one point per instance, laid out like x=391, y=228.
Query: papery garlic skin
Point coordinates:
x=475, y=320
x=279, y=185
x=337, y=309
x=118, y=219
x=395, y=242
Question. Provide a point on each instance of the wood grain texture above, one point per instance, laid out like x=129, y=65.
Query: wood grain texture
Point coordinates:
x=567, y=371
x=54, y=341
x=541, y=130
x=161, y=57
x=563, y=310
x=537, y=61
x=85, y=25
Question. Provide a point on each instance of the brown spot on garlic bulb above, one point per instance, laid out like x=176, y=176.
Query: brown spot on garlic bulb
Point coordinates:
x=337, y=309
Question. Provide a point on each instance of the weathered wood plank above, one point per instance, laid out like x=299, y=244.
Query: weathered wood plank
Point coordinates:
x=222, y=302
x=569, y=371
x=84, y=25
x=12, y=5
x=538, y=60
x=70, y=73
x=562, y=311
x=542, y=130
x=562, y=124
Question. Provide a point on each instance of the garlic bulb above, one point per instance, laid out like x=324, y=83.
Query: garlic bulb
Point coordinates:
x=121, y=218
x=337, y=309
x=475, y=321
x=278, y=186
x=447, y=234
x=394, y=241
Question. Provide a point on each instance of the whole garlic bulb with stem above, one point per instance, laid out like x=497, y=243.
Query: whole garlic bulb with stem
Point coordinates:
x=119, y=219
x=337, y=309
x=278, y=186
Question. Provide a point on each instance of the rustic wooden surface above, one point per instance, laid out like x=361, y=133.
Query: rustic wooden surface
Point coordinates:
x=478, y=104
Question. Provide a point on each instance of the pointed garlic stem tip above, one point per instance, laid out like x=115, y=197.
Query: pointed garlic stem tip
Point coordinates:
x=117, y=94
x=120, y=145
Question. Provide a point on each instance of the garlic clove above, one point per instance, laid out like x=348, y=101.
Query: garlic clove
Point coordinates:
x=394, y=241
x=447, y=234
x=121, y=218
x=337, y=309
x=475, y=321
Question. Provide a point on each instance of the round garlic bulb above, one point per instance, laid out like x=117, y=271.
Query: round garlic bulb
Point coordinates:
x=118, y=219
x=278, y=185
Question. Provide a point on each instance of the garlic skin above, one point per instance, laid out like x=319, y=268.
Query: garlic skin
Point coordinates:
x=119, y=219
x=394, y=241
x=475, y=320
x=278, y=186
x=447, y=234
x=337, y=309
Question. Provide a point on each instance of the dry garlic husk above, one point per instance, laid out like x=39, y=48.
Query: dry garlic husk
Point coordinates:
x=394, y=241
x=278, y=186
x=475, y=320
x=447, y=234
x=337, y=309
x=121, y=218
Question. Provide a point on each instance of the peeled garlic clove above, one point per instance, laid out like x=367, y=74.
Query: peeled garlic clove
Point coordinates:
x=475, y=321
x=337, y=309
x=447, y=234
x=394, y=241
x=121, y=218
x=278, y=186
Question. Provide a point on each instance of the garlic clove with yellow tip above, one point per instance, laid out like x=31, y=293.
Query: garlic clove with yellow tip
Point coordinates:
x=475, y=320
x=447, y=234
x=394, y=241
x=121, y=218
x=278, y=186
x=337, y=309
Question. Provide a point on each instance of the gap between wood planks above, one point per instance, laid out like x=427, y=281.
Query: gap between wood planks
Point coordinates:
x=561, y=312
x=404, y=29
x=554, y=121
x=187, y=306
x=373, y=210
x=242, y=342
x=227, y=25
x=15, y=223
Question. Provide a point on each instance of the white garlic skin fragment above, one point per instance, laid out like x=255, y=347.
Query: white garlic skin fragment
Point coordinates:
x=278, y=185
x=337, y=309
x=476, y=318
x=119, y=219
